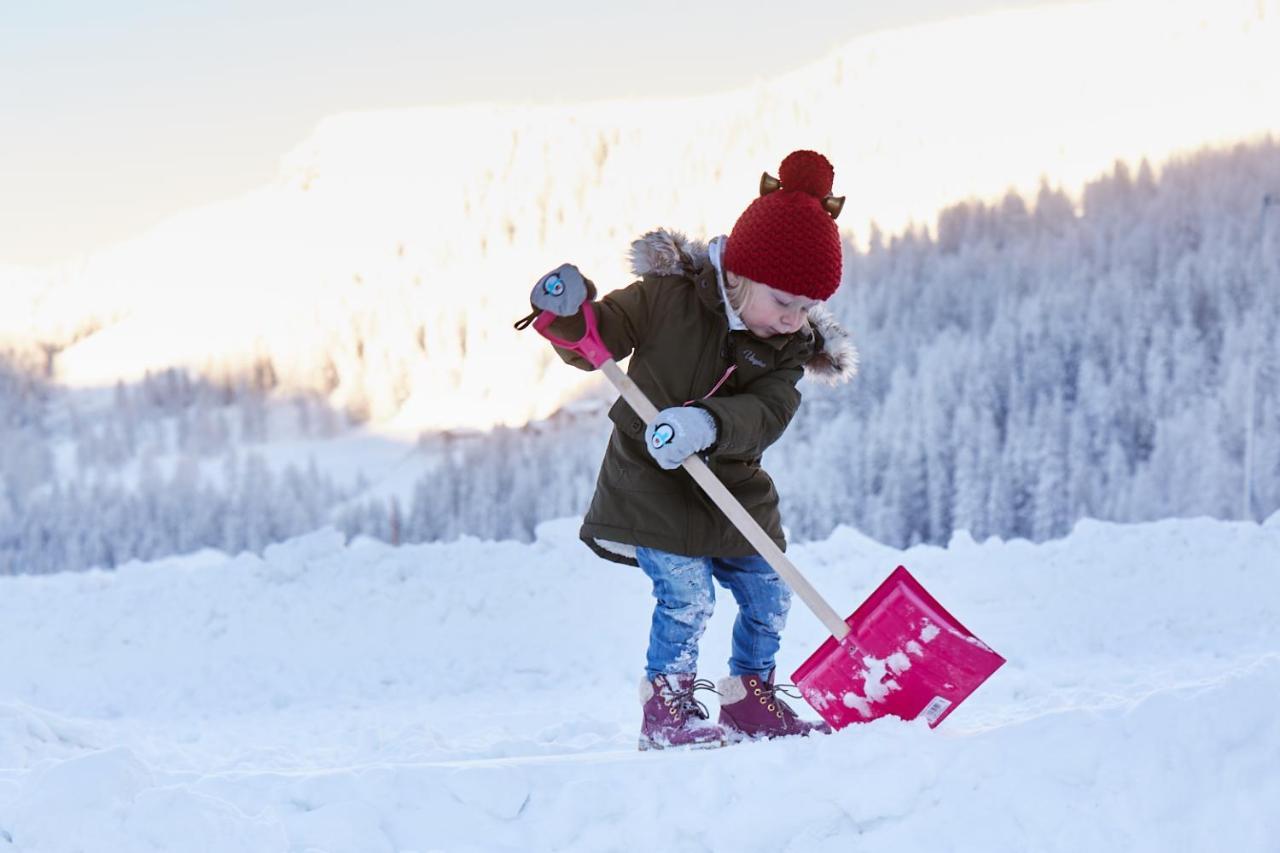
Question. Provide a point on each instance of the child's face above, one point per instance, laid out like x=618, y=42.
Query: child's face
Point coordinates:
x=768, y=312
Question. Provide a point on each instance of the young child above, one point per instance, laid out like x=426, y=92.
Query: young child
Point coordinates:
x=718, y=336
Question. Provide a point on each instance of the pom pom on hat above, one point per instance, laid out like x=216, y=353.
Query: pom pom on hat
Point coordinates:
x=787, y=238
x=807, y=172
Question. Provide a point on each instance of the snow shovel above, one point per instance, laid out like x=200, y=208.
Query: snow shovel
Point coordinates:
x=900, y=653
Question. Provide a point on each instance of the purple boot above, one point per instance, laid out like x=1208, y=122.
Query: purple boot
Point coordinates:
x=672, y=717
x=751, y=707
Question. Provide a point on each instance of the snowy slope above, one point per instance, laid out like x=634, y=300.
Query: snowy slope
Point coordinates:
x=481, y=696
x=395, y=246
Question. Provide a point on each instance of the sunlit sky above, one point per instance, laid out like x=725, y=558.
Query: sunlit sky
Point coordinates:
x=115, y=115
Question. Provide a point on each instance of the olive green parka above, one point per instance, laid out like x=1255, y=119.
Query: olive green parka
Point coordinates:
x=673, y=324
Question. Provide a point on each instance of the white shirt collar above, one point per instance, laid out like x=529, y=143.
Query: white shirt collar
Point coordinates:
x=716, y=250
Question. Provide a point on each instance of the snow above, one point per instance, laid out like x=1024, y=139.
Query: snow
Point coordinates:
x=899, y=662
x=481, y=696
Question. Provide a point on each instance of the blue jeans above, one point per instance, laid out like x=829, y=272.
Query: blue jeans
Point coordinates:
x=686, y=597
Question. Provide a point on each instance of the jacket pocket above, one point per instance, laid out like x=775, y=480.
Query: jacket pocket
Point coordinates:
x=626, y=420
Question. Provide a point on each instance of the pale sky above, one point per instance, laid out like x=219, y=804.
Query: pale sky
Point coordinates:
x=116, y=115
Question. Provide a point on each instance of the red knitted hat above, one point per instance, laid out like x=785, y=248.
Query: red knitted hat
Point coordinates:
x=787, y=238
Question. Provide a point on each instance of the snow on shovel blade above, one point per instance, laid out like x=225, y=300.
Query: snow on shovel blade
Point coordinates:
x=904, y=655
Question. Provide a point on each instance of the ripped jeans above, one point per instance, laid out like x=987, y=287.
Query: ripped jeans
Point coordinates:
x=686, y=597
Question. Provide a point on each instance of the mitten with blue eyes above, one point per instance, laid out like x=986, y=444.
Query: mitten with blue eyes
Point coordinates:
x=677, y=433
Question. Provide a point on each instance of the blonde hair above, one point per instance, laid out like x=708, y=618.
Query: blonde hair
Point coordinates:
x=739, y=289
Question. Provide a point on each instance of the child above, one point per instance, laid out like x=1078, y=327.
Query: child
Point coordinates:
x=718, y=335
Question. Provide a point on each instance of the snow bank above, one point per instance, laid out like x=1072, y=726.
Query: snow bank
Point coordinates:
x=481, y=696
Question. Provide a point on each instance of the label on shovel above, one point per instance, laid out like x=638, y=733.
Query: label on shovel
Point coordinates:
x=905, y=655
x=935, y=709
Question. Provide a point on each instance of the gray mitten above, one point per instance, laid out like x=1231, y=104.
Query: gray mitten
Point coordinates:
x=678, y=432
x=562, y=291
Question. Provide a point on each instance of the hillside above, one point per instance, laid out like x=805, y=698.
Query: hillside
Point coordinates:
x=384, y=265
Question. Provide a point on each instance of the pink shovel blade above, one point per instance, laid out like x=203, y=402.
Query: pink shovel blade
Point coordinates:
x=904, y=656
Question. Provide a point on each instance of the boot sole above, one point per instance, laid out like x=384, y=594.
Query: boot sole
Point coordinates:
x=738, y=736
x=647, y=745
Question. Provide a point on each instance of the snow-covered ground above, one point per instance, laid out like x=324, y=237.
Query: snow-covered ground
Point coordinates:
x=482, y=696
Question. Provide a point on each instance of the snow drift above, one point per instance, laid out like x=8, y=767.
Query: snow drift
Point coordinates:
x=481, y=696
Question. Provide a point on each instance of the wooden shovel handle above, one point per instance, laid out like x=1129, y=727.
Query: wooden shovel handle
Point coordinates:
x=740, y=518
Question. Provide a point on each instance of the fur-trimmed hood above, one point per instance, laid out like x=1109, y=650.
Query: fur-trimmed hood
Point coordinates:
x=667, y=252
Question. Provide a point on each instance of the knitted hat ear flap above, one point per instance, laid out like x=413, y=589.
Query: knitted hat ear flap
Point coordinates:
x=787, y=238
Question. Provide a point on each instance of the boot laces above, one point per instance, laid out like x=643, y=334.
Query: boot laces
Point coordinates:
x=688, y=703
x=772, y=691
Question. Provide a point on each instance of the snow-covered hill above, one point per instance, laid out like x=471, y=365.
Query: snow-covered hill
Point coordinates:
x=481, y=696
x=385, y=264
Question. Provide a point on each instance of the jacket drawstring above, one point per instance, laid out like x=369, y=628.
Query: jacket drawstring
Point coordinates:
x=714, y=388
